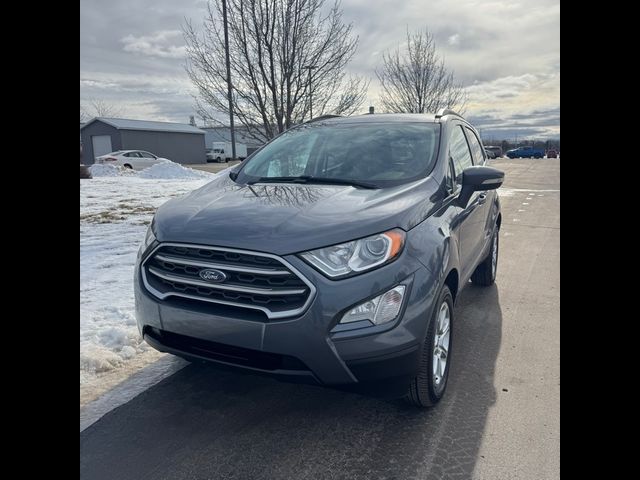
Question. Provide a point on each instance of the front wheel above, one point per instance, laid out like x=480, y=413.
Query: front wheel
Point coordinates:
x=219, y=160
x=428, y=387
x=485, y=273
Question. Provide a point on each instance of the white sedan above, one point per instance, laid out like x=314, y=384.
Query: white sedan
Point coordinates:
x=135, y=159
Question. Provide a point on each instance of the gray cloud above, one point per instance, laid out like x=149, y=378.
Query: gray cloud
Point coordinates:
x=505, y=51
x=160, y=44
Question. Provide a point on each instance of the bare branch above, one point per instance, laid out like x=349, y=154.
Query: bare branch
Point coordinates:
x=100, y=108
x=270, y=43
x=417, y=81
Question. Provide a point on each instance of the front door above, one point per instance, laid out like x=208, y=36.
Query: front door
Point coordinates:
x=471, y=217
x=147, y=158
x=485, y=197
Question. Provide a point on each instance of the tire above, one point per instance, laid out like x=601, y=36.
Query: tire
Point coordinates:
x=219, y=160
x=485, y=273
x=426, y=389
x=126, y=165
x=226, y=160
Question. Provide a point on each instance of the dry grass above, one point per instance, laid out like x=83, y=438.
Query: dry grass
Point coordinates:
x=118, y=214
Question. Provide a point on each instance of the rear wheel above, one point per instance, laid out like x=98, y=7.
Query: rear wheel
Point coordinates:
x=485, y=273
x=431, y=382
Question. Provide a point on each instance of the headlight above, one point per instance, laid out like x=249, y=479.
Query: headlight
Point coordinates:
x=149, y=238
x=382, y=309
x=357, y=256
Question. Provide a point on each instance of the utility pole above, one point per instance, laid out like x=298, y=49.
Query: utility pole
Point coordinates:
x=310, y=67
x=229, y=87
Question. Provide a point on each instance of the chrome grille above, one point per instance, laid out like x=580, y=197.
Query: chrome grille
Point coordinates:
x=257, y=281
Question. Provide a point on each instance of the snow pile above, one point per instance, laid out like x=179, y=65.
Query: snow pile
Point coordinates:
x=166, y=171
x=99, y=170
x=114, y=215
x=173, y=171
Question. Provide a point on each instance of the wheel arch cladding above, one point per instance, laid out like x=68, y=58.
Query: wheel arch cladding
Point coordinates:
x=452, y=282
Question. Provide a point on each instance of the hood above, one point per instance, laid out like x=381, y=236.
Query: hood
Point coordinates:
x=289, y=218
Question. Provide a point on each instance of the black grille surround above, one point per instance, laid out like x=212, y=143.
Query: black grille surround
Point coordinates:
x=254, y=280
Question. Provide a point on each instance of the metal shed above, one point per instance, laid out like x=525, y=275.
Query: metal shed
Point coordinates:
x=179, y=142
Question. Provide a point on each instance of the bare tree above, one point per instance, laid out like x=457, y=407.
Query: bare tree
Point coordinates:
x=270, y=44
x=98, y=108
x=416, y=80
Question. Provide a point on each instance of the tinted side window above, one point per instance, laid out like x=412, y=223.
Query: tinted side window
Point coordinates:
x=459, y=152
x=476, y=148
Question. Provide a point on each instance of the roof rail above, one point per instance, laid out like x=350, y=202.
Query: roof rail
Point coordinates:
x=322, y=117
x=446, y=111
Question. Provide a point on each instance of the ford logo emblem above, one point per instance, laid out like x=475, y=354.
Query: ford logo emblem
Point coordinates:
x=211, y=275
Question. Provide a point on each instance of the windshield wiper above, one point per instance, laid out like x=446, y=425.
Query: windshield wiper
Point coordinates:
x=311, y=179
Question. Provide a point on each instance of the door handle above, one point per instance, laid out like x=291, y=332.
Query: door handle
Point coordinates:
x=482, y=198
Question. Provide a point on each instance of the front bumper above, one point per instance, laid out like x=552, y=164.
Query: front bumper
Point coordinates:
x=348, y=357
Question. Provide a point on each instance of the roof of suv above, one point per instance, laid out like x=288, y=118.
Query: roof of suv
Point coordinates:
x=386, y=117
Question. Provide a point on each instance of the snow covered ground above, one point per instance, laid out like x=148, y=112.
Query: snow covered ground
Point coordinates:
x=116, y=207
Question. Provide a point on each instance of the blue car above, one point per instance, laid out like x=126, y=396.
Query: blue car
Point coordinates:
x=525, y=152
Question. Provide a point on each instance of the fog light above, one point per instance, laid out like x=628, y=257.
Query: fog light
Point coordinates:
x=382, y=309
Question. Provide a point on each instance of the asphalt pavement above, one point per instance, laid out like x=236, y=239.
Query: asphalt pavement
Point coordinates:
x=500, y=418
x=212, y=167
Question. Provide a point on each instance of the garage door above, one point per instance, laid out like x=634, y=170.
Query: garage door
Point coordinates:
x=101, y=145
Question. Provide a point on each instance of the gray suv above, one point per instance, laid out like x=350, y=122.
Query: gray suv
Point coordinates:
x=332, y=255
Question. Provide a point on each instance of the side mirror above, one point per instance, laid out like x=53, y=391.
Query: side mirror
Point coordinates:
x=478, y=178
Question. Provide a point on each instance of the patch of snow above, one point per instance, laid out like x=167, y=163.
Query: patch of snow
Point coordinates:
x=114, y=214
x=166, y=170
x=172, y=170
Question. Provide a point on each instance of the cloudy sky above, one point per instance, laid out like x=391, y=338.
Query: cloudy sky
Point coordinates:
x=506, y=52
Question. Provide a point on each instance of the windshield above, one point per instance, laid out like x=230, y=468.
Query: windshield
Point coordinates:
x=382, y=154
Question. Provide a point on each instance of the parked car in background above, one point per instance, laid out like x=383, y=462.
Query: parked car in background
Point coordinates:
x=552, y=154
x=135, y=159
x=525, y=152
x=222, y=152
x=334, y=255
x=497, y=151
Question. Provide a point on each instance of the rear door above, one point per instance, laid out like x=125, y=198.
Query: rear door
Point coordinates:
x=133, y=159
